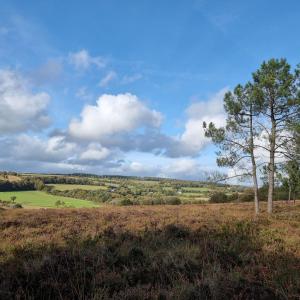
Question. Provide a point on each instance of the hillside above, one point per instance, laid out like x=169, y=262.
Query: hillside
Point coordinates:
x=215, y=251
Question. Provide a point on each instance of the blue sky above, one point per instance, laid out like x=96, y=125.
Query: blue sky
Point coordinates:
x=122, y=87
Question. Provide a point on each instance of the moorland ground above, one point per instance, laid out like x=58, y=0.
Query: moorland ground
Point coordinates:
x=213, y=251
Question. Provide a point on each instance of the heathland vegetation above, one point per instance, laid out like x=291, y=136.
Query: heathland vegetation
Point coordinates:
x=158, y=238
x=209, y=251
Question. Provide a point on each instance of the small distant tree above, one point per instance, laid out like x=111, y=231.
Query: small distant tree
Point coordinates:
x=290, y=169
x=291, y=179
x=58, y=203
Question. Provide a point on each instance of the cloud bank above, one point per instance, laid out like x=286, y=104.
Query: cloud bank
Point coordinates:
x=101, y=137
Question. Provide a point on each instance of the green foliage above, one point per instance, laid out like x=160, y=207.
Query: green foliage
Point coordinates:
x=22, y=185
x=59, y=203
x=172, y=201
x=246, y=196
x=218, y=197
x=233, y=197
x=126, y=202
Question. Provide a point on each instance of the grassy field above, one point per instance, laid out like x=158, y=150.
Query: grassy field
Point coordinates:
x=213, y=251
x=67, y=187
x=42, y=199
x=196, y=189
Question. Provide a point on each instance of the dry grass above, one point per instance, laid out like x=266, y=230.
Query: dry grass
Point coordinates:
x=33, y=225
x=205, y=246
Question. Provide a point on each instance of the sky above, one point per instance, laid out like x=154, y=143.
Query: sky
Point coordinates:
x=123, y=87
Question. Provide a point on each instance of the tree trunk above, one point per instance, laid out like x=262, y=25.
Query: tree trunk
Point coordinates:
x=290, y=191
x=272, y=159
x=254, y=175
x=255, y=188
x=271, y=181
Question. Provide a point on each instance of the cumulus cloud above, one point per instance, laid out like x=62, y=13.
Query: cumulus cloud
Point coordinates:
x=108, y=78
x=53, y=149
x=95, y=152
x=82, y=60
x=20, y=108
x=104, y=135
x=111, y=115
x=192, y=140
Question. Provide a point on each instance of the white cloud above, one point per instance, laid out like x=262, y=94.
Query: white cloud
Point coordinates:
x=109, y=77
x=20, y=108
x=193, y=139
x=113, y=114
x=95, y=152
x=82, y=60
x=54, y=149
x=182, y=168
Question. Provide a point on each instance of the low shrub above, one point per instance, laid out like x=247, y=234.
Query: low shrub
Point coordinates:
x=16, y=205
x=172, y=201
x=233, y=197
x=218, y=197
x=126, y=202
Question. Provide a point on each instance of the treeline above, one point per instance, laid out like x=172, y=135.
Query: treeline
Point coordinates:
x=22, y=185
x=91, y=195
x=280, y=193
x=64, y=180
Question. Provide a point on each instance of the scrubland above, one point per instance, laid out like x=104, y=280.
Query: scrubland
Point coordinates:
x=212, y=251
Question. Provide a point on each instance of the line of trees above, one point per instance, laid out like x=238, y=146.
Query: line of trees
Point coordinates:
x=262, y=122
x=22, y=185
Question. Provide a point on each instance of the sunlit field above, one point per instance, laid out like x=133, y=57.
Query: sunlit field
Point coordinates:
x=40, y=199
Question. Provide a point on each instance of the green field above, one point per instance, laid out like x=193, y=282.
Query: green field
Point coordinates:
x=42, y=199
x=196, y=189
x=68, y=187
